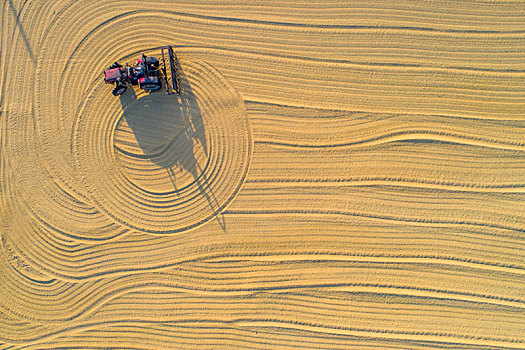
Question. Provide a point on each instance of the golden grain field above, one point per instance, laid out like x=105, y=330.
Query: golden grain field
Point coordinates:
x=335, y=174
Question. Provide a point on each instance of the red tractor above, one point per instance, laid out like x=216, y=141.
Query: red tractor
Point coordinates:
x=145, y=74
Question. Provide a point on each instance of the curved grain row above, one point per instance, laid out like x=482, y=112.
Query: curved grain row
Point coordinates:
x=289, y=126
x=413, y=163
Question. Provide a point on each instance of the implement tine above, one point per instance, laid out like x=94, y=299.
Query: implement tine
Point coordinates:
x=164, y=72
x=173, y=68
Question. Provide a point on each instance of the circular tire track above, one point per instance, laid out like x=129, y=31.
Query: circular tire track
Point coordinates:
x=63, y=212
x=164, y=164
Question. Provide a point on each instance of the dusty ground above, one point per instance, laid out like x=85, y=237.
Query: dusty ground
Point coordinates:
x=335, y=174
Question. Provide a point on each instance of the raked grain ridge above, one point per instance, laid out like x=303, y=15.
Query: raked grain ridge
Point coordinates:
x=338, y=175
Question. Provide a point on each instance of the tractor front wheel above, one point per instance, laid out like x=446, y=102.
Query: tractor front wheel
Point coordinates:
x=119, y=90
x=115, y=65
x=152, y=62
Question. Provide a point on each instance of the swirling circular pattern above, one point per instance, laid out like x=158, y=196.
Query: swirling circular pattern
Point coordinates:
x=150, y=162
x=164, y=164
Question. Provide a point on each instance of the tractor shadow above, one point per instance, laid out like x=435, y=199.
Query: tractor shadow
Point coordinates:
x=169, y=129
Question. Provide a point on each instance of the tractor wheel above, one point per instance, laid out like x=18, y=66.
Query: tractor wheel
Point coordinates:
x=119, y=90
x=151, y=83
x=151, y=87
x=115, y=65
x=152, y=62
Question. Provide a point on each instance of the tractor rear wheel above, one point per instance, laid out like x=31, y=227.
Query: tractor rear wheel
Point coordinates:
x=151, y=83
x=119, y=90
x=152, y=62
x=151, y=87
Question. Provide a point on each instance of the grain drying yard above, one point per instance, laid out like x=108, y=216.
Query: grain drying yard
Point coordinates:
x=333, y=175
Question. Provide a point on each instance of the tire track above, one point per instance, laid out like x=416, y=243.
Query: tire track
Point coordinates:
x=375, y=259
x=436, y=339
x=408, y=221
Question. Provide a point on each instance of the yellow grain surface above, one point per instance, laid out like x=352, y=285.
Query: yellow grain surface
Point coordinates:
x=335, y=175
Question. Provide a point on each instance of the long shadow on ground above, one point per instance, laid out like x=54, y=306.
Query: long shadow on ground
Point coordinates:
x=170, y=130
